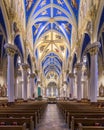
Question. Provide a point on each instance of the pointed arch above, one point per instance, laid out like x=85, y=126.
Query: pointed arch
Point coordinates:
x=98, y=18
x=29, y=61
x=74, y=61
x=6, y=20
x=18, y=43
x=85, y=41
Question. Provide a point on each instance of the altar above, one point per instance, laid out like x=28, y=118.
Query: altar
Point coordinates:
x=52, y=100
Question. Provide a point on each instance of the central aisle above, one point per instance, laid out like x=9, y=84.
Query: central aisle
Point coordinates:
x=52, y=119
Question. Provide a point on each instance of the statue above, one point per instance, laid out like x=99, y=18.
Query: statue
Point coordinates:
x=101, y=91
x=0, y=90
x=4, y=90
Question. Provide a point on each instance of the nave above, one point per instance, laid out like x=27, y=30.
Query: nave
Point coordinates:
x=51, y=50
x=40, y=115
x=52, y=119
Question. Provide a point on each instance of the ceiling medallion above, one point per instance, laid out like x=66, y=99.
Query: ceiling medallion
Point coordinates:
x=51, y=20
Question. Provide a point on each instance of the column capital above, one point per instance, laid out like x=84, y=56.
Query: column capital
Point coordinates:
x=71, y=75
x=32, y=75
x=39, y=83
x=11, y=14
x=10, y=49
x=78, y=66
x=83, y=81
x=65, y=82
x=25, y=66
x=93, y=48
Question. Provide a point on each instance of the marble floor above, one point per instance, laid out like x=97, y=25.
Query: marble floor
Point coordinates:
x=52, y=119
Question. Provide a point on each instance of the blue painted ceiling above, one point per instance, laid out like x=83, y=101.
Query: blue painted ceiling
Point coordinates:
x=51, y=14
x=54, y=15
x=3, y=35
x=52, y=62
x=2, y=22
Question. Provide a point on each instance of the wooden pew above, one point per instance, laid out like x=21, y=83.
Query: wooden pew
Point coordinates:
x=19, y=115
x=13, y=127
x=86, y=121
x=78, y=108
x=81, y=127
x=25, y=109
x=83, y=115
x=36, y=112
x=82, y=111
x=29, y=121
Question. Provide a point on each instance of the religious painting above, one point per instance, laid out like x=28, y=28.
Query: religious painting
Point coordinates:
x=44, y=12
x=43, y=3
x=67, y=28
x=62, y=48
x=58, y=37
x=60, y=2
x=74, y=3
x=28, y=4
x=46, y=37
x=42, y=48
x=58, y=12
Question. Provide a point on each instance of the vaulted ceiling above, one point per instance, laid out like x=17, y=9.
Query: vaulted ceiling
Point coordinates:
x=52, y=22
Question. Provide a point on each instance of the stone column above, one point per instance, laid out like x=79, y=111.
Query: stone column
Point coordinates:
x=16, y=89
x=11, y=50
x=24, y=87
x=36, y=89
x=89, y=88
x=75, y=86
x=71, y=75
x=84, y=86
x=39, y=87
x=32, y=94
x=93, y=74
x=79, y=74
x=65, y=88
